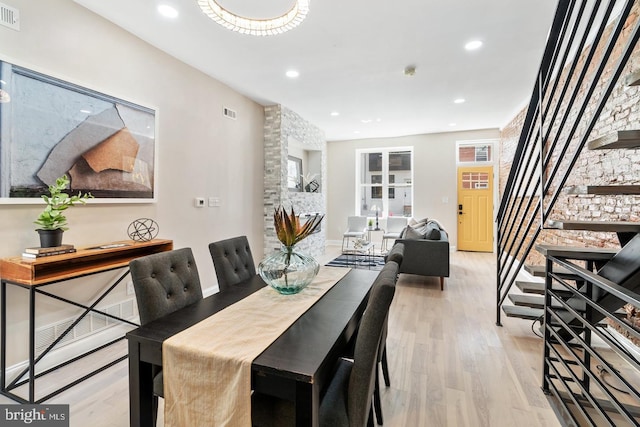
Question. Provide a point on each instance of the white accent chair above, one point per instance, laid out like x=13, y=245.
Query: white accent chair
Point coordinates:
x=395, y=225
x=356, y=228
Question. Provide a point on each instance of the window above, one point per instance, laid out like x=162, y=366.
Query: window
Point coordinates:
x=475, y=152
x=377, y=188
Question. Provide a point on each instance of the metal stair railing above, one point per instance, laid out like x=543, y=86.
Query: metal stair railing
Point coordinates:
x=552, y=137
x=589, y=374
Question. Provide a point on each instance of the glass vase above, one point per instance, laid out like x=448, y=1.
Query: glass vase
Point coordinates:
x=288, y=271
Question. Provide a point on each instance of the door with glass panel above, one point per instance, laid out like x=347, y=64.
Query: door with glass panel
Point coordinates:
x=475, y=208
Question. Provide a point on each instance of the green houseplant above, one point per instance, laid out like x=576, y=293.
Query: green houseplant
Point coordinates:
x=52, y=222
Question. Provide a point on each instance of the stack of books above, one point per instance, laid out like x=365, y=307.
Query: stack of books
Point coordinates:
x=42, y=252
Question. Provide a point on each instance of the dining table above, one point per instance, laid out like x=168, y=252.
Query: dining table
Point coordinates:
x=297, y=366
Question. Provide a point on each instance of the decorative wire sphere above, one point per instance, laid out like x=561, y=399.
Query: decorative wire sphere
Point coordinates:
x=143, y=230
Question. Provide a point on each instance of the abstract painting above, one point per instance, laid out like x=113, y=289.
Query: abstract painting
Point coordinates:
x=50, y=127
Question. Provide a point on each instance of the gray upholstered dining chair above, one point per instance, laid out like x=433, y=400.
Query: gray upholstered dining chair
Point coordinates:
x=390, y=273
x=347, y=401
x=232, y=260
x=163, y=283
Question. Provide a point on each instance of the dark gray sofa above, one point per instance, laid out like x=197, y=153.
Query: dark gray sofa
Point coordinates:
x=424, y=251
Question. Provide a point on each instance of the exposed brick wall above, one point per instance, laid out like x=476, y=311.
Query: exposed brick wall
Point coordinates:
x=598, y=167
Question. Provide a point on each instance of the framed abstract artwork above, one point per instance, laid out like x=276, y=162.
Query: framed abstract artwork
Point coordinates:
x=50, y=127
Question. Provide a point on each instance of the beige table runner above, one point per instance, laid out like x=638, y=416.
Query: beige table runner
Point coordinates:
x=207, y=367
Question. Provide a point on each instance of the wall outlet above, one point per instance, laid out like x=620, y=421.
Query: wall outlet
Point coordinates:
x=130, y=290
x=199, y=202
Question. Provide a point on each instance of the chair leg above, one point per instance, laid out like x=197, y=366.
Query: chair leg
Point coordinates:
x=385, y=367
x=370, y=419
x=154, y=404
x=343, y=239
x=442, y=283
x=377, y=404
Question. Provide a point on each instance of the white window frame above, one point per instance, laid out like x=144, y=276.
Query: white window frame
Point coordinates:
x=477, y=143
x=384, y=202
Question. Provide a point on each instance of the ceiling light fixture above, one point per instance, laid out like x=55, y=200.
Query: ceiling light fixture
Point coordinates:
x=292, y=74
x=473, y=45
x=335, y=114
x=256, y=27
x=459, y=100
x=167, y=11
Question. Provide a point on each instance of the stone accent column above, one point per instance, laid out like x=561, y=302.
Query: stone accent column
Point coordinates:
x=281, y=125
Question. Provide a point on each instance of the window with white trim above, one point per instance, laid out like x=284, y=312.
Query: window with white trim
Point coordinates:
x=384, y=182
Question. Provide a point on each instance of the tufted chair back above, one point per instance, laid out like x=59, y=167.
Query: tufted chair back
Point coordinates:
x=165, y=282
x=232, y=260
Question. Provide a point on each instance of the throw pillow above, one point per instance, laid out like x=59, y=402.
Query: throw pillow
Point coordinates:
x=412, y=234
x=432, y=231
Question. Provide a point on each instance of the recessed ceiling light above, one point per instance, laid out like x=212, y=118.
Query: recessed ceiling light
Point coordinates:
x=452, y=124
x=167, y=11
x=473, y=45
x=366, y=120
x=335, y=114
x=292, y=74
x=459, y=100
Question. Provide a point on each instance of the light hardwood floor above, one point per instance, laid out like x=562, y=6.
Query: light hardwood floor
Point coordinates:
x=450, y=364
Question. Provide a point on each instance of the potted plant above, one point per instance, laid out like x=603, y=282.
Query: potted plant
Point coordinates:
x=52, y=222
x=370, y=224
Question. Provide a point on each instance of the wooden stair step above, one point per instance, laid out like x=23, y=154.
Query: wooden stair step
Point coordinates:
x=535, y=301
x=604, y=189
x=540, y=271
x=538, y=288
x=577, y=252
x=612, y=226
x=616, y=139
x=633, y=79
x=522, y=312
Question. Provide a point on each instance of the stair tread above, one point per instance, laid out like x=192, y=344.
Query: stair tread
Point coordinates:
x=537, y=301
x=540, y=270
x=522, y=312
x=604, y=189
x=539, y=287
x=577, y=252
x=616, y=139
x=533, y=301
x=613, y=226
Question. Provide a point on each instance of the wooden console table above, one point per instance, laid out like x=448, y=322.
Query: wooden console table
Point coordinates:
x=32, y=274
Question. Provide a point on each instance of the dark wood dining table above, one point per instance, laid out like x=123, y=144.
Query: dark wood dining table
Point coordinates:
x=297, y=366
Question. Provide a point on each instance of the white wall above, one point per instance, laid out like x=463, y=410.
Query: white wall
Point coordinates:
x=200, y=153
x=434, y=177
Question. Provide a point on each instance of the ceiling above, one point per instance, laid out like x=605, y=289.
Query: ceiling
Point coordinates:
x=351, y=56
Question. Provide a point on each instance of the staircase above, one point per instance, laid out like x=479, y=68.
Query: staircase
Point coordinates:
x=569, y=213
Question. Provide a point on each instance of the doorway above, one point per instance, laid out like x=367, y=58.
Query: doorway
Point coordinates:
x=475, y=208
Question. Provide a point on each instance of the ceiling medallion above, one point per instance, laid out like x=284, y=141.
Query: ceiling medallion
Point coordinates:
x=256, y=27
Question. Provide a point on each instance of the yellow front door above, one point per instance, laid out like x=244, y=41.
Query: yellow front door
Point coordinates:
x=475, y=209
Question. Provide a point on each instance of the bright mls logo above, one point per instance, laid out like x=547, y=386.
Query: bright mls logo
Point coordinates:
x=34, y=415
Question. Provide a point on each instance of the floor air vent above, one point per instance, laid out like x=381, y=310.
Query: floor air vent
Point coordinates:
x=9, y=17
x=229, y=113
